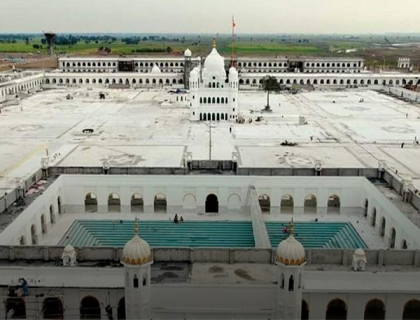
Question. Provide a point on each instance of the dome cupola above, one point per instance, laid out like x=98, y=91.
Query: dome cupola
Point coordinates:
x=290, y=251
x=136, y=251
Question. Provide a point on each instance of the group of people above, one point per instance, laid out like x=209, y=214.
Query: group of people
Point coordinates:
x=178, y=220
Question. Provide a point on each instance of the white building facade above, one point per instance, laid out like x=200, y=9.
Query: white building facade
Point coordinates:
x=213, y=96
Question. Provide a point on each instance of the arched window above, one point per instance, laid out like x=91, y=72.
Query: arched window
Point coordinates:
x=121, y=309
x=291, y=284
x=160, y=203
x=114, y=203
x=310, y=204
x=90, y=308
x=383, y=225
x=286, y=204
x=91, y=203
x=17, y=307
x=52, y=308
x=411, y=310
x=264, y=201
x=392, y=238
x=137, y=204
x=374, y=310
x=333, y=204
x=212, y=203
x=336, y=310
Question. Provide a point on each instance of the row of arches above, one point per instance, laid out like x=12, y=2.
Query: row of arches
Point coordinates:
x=327, y=81
x=375, y=309
x=307, y=64
x=160, y=203
x=45, y=221
x=214, y=100
x=113, y=81
x=16, y=88
x=215, y=116
x=309, y=205
x=114, y=64
x=90, y=308
x=375, y=221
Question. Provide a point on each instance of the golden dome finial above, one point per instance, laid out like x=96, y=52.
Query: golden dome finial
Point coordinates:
x=136, y=225
x=214, y=42
x=292, y=227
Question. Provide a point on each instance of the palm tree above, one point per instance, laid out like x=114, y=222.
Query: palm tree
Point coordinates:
x=270, y=84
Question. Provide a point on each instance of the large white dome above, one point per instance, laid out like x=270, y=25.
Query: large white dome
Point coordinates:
x=291, y=252
x=136, y=252
x=214, y=63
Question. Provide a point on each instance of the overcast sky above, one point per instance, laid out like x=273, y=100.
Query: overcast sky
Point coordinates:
x=210, y=16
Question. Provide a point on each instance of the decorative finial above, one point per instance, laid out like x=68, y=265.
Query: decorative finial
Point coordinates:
x=292, y=227
x=214, y=42
x=136, y=226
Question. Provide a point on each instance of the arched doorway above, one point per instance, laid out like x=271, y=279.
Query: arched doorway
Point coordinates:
x=16, y=308
x=392, y=238
x=90, y=308
x=52, y=215
x=91, y=203
x=383, y=225
x=265, y=203
x=373, y=223
x=310, y=204
x=366, y=207
x=43, y=224
x=121, y=309
x=137, y=204
x=114, y=203
x=411, y=310
x=59, y=205
x=374, y=310
x=52, y=308
x=212, y=203
x=333, y=204
x=160, y=204
x=336, y=310
x=34, y=237
x=286, y=204
x=304, y=315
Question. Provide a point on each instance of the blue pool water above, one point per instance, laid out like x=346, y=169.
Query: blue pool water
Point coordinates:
x=338, y=235
x=207, y=234
x=112, y=233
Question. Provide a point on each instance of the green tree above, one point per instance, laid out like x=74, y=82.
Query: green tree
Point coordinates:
x=168, y=49
x=270, y=84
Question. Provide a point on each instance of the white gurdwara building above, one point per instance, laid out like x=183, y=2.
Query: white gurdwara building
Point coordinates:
x=213, y=96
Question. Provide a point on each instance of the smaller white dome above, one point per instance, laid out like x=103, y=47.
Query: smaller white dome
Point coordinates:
x=194, y=74
x=187, y=53
x=291, y=252
x=233, y=70
x=136, y=252
x=360, y=252
x=69, y=251
x=155, y=69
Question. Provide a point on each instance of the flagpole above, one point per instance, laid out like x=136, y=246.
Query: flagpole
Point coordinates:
x=233, y=41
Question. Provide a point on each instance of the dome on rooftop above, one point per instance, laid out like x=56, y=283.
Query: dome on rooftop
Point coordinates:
x=136, y=252
x=291, y=252
x=214, y=62
x=155, y=69
x=187, y=53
